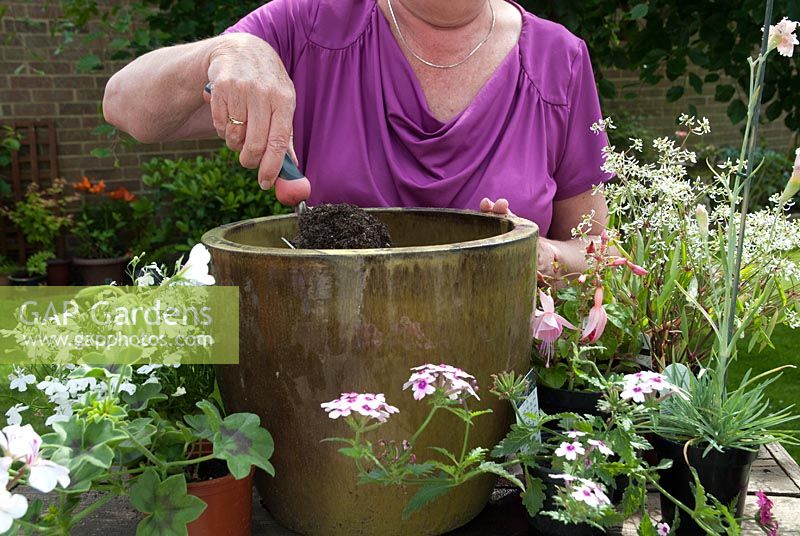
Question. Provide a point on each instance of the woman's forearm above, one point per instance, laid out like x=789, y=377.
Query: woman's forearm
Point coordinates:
x=158, y=93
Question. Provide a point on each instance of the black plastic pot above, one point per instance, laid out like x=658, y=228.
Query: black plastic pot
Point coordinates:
x=541, y=524
x=725, y=475
x=24, y=279
x=563, y=401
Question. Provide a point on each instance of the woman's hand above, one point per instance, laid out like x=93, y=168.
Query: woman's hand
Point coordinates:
x=252, y=106
x=548, y=264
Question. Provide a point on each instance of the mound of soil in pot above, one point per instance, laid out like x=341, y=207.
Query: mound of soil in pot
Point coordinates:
x=341, y=226
x=207, y=470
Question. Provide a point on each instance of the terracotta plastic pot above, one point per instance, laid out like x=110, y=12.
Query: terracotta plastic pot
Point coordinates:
x=102, y=271
x=229, y=506
x=24, y=279
x=456, y=289
x=59, y=273
x=725, y=475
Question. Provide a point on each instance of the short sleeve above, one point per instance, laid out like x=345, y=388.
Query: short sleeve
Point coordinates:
x=284, y=24
x=581, y=159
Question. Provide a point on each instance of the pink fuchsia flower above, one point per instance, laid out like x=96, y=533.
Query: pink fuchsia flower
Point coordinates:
x=596, y=323
x=636, y=269
x=570, y=451
x=599, y=445
x=764, y=517
x=369, y=405
x=662, y=529
x=547, y=325
x=782, y=36
x=454, y=382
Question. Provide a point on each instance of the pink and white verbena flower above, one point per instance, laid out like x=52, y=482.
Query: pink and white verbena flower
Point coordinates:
x=662, y=529
x=601, y=446
x=570, y=451
x=369, y=405
x=590, y=493
x=638, y=386
x=547, y=325
x=454, y=382
x=782, y=36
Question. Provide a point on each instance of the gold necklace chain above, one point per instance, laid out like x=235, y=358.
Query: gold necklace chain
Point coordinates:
x=435, y=65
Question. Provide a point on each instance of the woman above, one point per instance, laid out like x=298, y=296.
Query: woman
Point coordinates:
x=391, y=103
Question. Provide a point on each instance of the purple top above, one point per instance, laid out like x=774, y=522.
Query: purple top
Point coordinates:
x=364, y=134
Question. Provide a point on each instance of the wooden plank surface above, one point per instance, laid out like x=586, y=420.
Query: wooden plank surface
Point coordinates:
x=774, y=471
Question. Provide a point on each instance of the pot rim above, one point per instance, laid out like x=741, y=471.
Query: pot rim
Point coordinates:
x=219, y=481
x=522, y=229
x=701, y=447
x=87, y=261
x=25, y=276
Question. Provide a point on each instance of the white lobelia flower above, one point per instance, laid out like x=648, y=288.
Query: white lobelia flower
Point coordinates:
x=180, y=391
x=196, y=268
x=11, y=507
x=19, y=380
x=13, y=414
x=23, y=444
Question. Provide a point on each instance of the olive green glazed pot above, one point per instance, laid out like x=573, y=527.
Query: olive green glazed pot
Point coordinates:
x=457, y=288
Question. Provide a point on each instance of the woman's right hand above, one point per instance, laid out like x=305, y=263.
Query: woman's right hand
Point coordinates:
x=250, y=85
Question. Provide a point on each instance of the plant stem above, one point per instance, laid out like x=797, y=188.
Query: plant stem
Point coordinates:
x=748, y=145
x=192, y=461
x=682, y=506
x=144, y=450
x=99, y=503
x=424, y=425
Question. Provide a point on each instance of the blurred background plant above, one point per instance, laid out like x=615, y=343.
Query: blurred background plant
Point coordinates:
x=193, y=196
x=111, y=224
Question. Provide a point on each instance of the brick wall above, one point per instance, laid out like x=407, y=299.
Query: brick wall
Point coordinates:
x=72, y=101
x=651, y=107
x=37, y=84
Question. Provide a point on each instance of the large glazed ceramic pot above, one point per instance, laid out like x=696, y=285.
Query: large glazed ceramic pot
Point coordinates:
x=457, y=288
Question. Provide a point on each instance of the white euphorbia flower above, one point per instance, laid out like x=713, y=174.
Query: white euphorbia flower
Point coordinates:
x=13, y=414
x=23, y=444
x=196, y=268
x=11, y=507
x=19, y=380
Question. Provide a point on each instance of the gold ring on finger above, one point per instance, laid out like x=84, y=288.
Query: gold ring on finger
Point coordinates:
x=233, y=121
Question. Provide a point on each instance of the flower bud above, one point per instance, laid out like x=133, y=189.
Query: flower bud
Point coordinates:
x=619, y=261
x=793, y=186
x=702, y=220
x=636, y=269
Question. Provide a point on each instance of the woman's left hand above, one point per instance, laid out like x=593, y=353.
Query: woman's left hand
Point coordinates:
x=547, y=262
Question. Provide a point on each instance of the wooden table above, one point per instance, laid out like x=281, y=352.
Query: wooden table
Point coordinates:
x=774, y=471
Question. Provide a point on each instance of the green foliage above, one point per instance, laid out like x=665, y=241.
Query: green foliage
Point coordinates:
x=714, y=416
x=194, y=196
x=10, y=141
x=773, y=173
x=113, y=224
x=37, y=263
x=691, y=44
x=40, y=215
x=6, y=265
x=168, y=506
